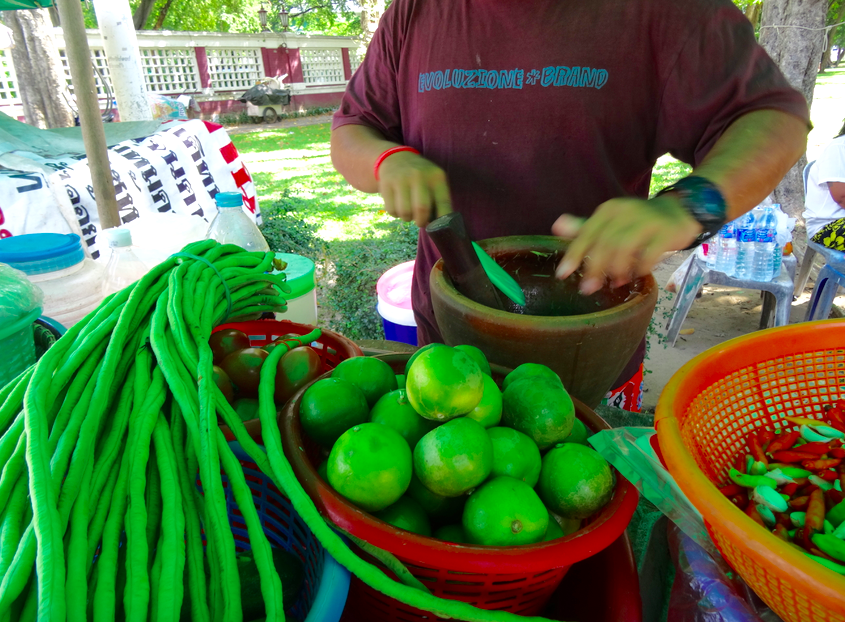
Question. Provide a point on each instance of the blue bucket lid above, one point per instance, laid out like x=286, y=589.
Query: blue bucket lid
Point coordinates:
x=37, y=253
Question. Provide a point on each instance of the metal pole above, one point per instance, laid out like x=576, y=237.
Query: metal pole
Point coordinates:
x=82, y=75
x=124, y=58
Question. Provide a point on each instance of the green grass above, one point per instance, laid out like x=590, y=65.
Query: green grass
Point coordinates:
x=308, y=208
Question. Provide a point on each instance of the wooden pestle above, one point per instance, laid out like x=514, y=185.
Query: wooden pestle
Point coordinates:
x=450, y=236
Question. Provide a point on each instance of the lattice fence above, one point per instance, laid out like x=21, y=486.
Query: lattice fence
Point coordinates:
x=8, y=81
x=98, y=59
x=234, y=69
x=322, y=66
x=168, y=70
x=354, y=59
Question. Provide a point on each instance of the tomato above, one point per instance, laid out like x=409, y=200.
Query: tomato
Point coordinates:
x=244, y=368
x=294, y=342
x=226, y=341
x=224, y=383
x=247, y=408
x=296, y=369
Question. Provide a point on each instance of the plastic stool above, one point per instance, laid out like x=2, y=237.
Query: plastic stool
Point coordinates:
x=813, y=248
x=829, y=281
x=777, y=299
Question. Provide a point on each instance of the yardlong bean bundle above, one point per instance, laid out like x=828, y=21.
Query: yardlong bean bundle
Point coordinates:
x=104, y=441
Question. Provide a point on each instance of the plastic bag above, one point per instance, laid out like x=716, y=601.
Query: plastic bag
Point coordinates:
x=167, y=108
x=785, y=227
x=631, y=452
x=707, y=590
x=18, y=296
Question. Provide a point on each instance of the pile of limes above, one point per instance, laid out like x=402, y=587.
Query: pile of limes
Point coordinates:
x=442, y=451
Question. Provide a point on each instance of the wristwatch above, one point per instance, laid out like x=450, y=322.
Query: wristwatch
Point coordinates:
x=703, y=201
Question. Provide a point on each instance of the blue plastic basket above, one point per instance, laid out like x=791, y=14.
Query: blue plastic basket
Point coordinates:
x=326, y=582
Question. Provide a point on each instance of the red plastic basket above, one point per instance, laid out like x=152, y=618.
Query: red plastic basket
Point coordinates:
x=332, y=348
x=516, y=579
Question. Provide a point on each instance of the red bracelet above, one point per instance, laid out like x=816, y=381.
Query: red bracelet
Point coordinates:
x=388, y=153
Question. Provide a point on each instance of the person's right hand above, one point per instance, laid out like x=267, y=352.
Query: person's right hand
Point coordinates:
x=413, y=188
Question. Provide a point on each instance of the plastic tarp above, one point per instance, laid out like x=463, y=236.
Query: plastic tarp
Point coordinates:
x=264, y=95
x=17, y=136
x=14, y=5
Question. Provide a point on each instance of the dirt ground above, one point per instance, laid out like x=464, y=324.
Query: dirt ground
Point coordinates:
x=721, y=313
x=263, y=127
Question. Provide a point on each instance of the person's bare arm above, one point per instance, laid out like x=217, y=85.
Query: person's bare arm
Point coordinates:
x=412, y=187
x=626, y=237
x=837, y=192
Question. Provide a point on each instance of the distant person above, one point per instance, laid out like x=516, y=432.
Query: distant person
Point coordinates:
x=824, y=207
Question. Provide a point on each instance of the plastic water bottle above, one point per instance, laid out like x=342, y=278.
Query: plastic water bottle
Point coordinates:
x=726, y=249
x=764, y=246
x=745, y=240
x=233, y=226
x=123, y=267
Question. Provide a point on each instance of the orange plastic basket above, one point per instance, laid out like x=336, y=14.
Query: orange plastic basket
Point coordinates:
x=702, y=419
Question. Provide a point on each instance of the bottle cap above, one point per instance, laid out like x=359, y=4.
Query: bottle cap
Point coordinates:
x=119, y=237
x=229, y=199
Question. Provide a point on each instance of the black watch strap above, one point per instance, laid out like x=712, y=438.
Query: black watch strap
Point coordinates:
x=703, y=201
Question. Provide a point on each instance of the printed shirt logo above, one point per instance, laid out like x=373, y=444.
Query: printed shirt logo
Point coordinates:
x=577, y=77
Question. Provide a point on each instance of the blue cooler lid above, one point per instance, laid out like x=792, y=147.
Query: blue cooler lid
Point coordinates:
x=37, y=253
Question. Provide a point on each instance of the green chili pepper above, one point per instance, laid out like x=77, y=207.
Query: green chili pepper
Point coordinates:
x=749, y=481
x=830, y=545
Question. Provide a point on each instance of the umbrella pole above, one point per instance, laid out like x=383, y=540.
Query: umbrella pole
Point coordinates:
x=93, y=134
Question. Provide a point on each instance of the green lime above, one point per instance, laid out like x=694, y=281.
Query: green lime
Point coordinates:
x=416, y=354
x=247, y=408
x=323, y=470
x=540, y=408
x=454, y=458
x=515, y=455
x=394, y=411
x=505, y=512
x=451, y=533
x=553, y=531
x=567, y=525
x=575, y=481
x=400, y=381
x=489, y=410
x=370, y=465
x=478, y=356
x=373, y=376
x=579, y=433
x=530, y=370
x=330, y=407
x=406, y=514
x=444, y=383
x=437, y=507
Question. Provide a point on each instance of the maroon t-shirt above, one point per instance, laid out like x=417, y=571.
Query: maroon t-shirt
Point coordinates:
x=543, y=107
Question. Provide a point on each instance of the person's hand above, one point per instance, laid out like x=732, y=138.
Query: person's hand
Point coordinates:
x=413, y=188
x=624, y=239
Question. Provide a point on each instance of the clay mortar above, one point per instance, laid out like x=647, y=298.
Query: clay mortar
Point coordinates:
x=587, y=340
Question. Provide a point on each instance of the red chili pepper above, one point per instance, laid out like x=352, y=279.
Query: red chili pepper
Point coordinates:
x=756, y=450
x=837, y=452
x=782, y=532
x=800, y=538
x=730, y=490
x=833, y=497
x=782, y=518
x=799, y=504
x=828, y=476
x=740, y=463
x=835, y=414
x=836, y=425
x=818, y=448
x=764, y=437
x=783, y=441
x=821, y=464
x=792, y=456
x=814, y=551
x=789, y=489
x=814, y=519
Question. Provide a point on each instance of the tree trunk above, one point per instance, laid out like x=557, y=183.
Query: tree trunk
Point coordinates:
x=371, y=11
x=752, y=12
x=41, y=79
x=162, y=15
x=142, y=13
x=785, y=36
x=839, y=54
x=831, y=37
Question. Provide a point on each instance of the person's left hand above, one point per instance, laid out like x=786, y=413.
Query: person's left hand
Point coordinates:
x=623, y=239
